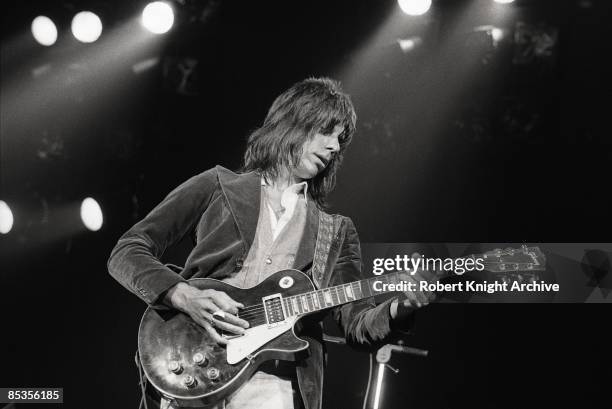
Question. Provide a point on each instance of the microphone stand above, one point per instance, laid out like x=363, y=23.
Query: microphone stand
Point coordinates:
x=383, y=356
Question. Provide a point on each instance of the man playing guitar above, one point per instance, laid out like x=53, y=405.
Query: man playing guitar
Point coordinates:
x=248, y=225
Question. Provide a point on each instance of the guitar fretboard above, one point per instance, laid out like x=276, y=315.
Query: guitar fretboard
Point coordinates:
x=340, y=294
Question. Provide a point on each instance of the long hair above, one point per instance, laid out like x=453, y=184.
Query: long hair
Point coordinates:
x=314, y=105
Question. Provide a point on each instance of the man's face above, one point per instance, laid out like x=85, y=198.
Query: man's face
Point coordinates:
x=317, y=153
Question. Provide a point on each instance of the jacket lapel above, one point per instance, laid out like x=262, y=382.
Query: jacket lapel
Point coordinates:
x=243, y=194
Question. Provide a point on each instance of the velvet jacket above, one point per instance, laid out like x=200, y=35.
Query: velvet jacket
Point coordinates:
x=220, y=209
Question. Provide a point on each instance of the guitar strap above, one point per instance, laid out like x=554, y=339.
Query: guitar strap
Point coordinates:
x=328, y=227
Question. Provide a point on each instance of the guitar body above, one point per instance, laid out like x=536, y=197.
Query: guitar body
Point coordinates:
x=167, y=339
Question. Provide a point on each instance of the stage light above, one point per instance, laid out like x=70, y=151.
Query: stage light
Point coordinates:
x=6, y=218
x=91, y=214
x=497, y=34
x=86, y=27
x=414, y=7
x=44, y=30
x=503, y=1
x=409, y=44
x=158, y=17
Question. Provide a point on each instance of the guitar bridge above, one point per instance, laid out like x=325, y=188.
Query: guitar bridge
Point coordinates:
x=274, y=310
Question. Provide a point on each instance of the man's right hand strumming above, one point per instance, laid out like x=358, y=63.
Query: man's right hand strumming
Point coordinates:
x=206, y=307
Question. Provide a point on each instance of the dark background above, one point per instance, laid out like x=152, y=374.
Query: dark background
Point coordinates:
x=457, y=140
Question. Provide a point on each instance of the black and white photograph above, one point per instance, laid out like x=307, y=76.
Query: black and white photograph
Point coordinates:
x=369, y=204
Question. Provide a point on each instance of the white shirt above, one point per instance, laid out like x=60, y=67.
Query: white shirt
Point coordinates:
x=289, y=198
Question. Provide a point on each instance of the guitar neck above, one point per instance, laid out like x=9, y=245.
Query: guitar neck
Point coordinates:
x=506, y=261
x=337, y=295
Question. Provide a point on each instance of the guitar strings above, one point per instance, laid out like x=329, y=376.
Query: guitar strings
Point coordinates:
x=260, y=306
x=253, y=310
x=250, y=314
x=258, y=311
x=251, y=307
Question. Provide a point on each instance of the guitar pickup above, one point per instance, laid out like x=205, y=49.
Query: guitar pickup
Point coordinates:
x=274, y=310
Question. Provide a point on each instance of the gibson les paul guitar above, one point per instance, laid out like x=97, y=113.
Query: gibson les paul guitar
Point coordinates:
x=187, y=366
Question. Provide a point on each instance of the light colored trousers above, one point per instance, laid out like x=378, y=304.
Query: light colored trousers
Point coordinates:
x=263, y=390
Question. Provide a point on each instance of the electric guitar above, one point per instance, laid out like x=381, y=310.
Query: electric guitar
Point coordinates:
x=187, y=366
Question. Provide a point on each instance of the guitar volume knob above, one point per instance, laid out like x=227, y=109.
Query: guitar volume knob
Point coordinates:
x=189, y=381
x=212, y=373
x=175, y=367
x=199, y=359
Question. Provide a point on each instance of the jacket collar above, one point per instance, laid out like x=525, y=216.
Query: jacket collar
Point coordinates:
x=243, y=194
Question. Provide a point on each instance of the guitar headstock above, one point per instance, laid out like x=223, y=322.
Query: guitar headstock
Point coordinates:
x=515, y=264
x=508, y=260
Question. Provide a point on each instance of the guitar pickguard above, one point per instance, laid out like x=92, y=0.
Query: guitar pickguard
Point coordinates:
x=254, y=338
